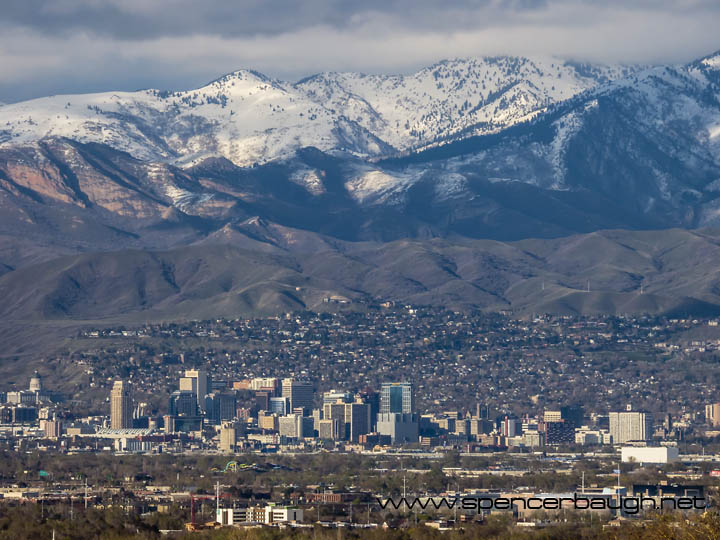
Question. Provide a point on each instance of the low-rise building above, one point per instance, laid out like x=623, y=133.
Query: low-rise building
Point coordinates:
x=272, y=513
x=649, y=454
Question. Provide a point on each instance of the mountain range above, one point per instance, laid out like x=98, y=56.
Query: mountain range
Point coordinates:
x=250, y=118
x=262, y=268
x=489, y=165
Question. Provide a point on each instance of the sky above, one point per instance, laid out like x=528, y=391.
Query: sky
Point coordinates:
x=76, y=46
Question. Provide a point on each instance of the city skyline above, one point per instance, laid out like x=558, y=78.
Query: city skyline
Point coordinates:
x=385, y=269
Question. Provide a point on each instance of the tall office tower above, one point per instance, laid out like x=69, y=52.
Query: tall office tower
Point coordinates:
x=397, y=398
x=510, y=427
x=182, y=403
x=228, y=405
x=482, y=410
x=557, y=432
x=571, y=415
x=330, y=429
x=552, y=416
x=141, y=409
x=317, y=415
x=121, y=405
x=357, y=420
x=52, y=428
x=295, y=425
x=262, y=400
x=712, y=414
x=630, y=426
x=280, y=406
x=300, y=393
x=220, y=406
x=400, y=427
x=267, y=421
x=335, y=411
x=198, y=382
x=372, y=398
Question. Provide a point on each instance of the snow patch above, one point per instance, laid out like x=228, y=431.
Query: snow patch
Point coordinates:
x=714, y=131
x=566, y=127
x=497, y=180
x=184, y=199
x=713, y=62
x=450, y=185
x=375, y=186
x=310, y=179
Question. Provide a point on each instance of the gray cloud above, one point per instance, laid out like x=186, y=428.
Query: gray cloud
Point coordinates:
x=64, y=46
x=133, y=19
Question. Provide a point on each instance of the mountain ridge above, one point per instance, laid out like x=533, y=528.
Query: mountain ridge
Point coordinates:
x=249, y=118
x=618, y=272
x=639, y=152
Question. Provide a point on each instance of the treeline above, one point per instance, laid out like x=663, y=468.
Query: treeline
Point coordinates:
x=30, y=521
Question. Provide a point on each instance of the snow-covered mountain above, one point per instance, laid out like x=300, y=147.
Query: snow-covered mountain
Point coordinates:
x=648, y=143
x=469, y=96
x=556, y=150
x=640, y=151
x=243, y=116
x=492, y=149
x=249, y=118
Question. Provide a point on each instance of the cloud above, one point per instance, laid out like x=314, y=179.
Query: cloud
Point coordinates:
x=62, y=46
x=133, y=19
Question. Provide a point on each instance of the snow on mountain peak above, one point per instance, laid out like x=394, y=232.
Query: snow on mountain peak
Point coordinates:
x=712, y=60
x=250, y=118
x=453, y=96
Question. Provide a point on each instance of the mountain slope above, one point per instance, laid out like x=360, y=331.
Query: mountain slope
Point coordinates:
x=672, y=272
x=639, y=152
x=88, y=197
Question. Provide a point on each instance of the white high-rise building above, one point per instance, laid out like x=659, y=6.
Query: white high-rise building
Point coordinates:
x=264, y=383
x=402, y=428
x=295, y=425
x=630, y=426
